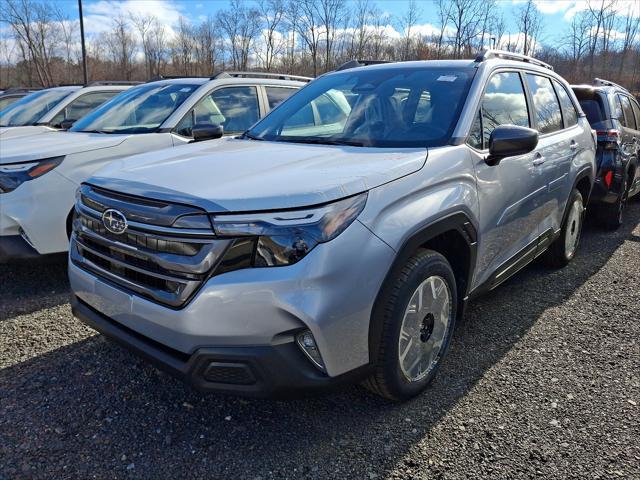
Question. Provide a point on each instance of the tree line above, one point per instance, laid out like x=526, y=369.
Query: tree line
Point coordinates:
x=309, y=37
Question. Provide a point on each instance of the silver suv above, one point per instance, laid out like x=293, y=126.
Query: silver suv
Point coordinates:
x=339, y=239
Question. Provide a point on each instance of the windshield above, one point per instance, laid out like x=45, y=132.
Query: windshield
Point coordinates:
x=393, y=107
x=28, y=110
x=137, y=110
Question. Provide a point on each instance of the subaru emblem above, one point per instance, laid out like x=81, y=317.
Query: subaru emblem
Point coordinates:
x=114, y=221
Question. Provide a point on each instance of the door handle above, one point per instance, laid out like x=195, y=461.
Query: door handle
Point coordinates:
x=574, y=145
x=538, y=160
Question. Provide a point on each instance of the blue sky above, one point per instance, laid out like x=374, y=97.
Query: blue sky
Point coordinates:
x=556, y=13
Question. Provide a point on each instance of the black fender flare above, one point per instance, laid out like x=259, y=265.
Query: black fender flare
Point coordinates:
x=586, y=172
x=457, y=221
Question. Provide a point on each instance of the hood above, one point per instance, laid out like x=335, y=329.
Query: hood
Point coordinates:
x=54, y=144
x=13, y=132
x=246, y=175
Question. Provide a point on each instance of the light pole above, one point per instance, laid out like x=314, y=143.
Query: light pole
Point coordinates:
x=84, y=49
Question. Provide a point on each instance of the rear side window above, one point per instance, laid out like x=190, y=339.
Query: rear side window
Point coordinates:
x=628, y=112
x=504, y=103
x=82, y=105
x=617, y=110
x=568, y=108
x=545, y=104
x=276, y=95
x=636, y=110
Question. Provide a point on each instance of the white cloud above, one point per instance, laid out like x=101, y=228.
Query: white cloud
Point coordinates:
x=98, y=17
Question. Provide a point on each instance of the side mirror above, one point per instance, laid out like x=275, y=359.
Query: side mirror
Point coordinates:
x=510, y=141
x=67, y=123
x=202, y=132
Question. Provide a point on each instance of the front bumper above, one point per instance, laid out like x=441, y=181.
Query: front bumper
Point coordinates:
x=39, y=208
x=330, y=292
x=262, y=371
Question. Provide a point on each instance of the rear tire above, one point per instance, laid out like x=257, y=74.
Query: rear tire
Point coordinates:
x=564, y=248
x=611, y=216
x=419, y=318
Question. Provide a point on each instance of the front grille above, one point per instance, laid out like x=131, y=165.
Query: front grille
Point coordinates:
x=159, y=262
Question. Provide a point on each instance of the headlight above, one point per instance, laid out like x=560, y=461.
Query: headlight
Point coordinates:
x=14, y=175
x=283, y=238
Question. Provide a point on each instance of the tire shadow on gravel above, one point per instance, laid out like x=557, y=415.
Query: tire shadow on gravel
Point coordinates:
x=91, y=409
x=33, y=285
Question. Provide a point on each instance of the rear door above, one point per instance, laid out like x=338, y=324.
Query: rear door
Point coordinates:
x=557, y=147
x=635, y=145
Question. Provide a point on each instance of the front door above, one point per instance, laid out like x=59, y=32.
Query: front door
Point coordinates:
x=510, y=192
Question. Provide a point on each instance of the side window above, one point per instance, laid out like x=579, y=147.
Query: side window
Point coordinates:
x=82, y=105
x=328, y=111
x=568, y=108
x=545, y=104
x=617, y=110
x=636, y=110
x=504, y=103
x=628, y=111
x=475, y=135
x=235, y=108
x=276, y=95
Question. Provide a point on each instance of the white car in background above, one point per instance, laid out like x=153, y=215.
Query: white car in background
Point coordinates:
x=39, y=177
x=55, y=108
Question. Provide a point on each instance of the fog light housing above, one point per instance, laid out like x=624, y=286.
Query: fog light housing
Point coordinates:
x=307, y=344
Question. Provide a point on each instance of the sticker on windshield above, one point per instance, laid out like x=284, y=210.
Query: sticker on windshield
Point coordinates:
x=186, y=89
x=447, y=78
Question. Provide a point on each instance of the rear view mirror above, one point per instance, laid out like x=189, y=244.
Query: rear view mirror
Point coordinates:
x=202, y=132
x=510, y=141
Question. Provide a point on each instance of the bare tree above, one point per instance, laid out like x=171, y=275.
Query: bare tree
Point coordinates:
x=630, y=25
x=32, y=23
x=153, y=36
x=121, y=45
x=529, y=23
x=407, y=22
x=241, y=25
x=207, y=46
x=599, y=10
x=272, y=13
x=69, y=31
x=310, y=30
x=329, y=15
x=183, y=48
x=467, y=18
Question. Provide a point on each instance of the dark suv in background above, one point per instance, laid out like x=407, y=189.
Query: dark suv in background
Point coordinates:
x=615, y=115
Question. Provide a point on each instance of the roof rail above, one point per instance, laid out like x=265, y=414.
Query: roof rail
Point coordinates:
x=100, y=83
x=606, y=83
x=359, y=63
x=279, y=76
x=172, y=77
x=20, y=90
x=490, y=53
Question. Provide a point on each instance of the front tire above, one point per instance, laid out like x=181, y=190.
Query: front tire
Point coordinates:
x=418, y=323
x=564, y=248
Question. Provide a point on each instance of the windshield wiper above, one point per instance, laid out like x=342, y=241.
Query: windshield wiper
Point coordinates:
x=94, y=131
x=324, y=141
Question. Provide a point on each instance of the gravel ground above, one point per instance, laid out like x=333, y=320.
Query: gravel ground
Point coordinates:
x=542, y=381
